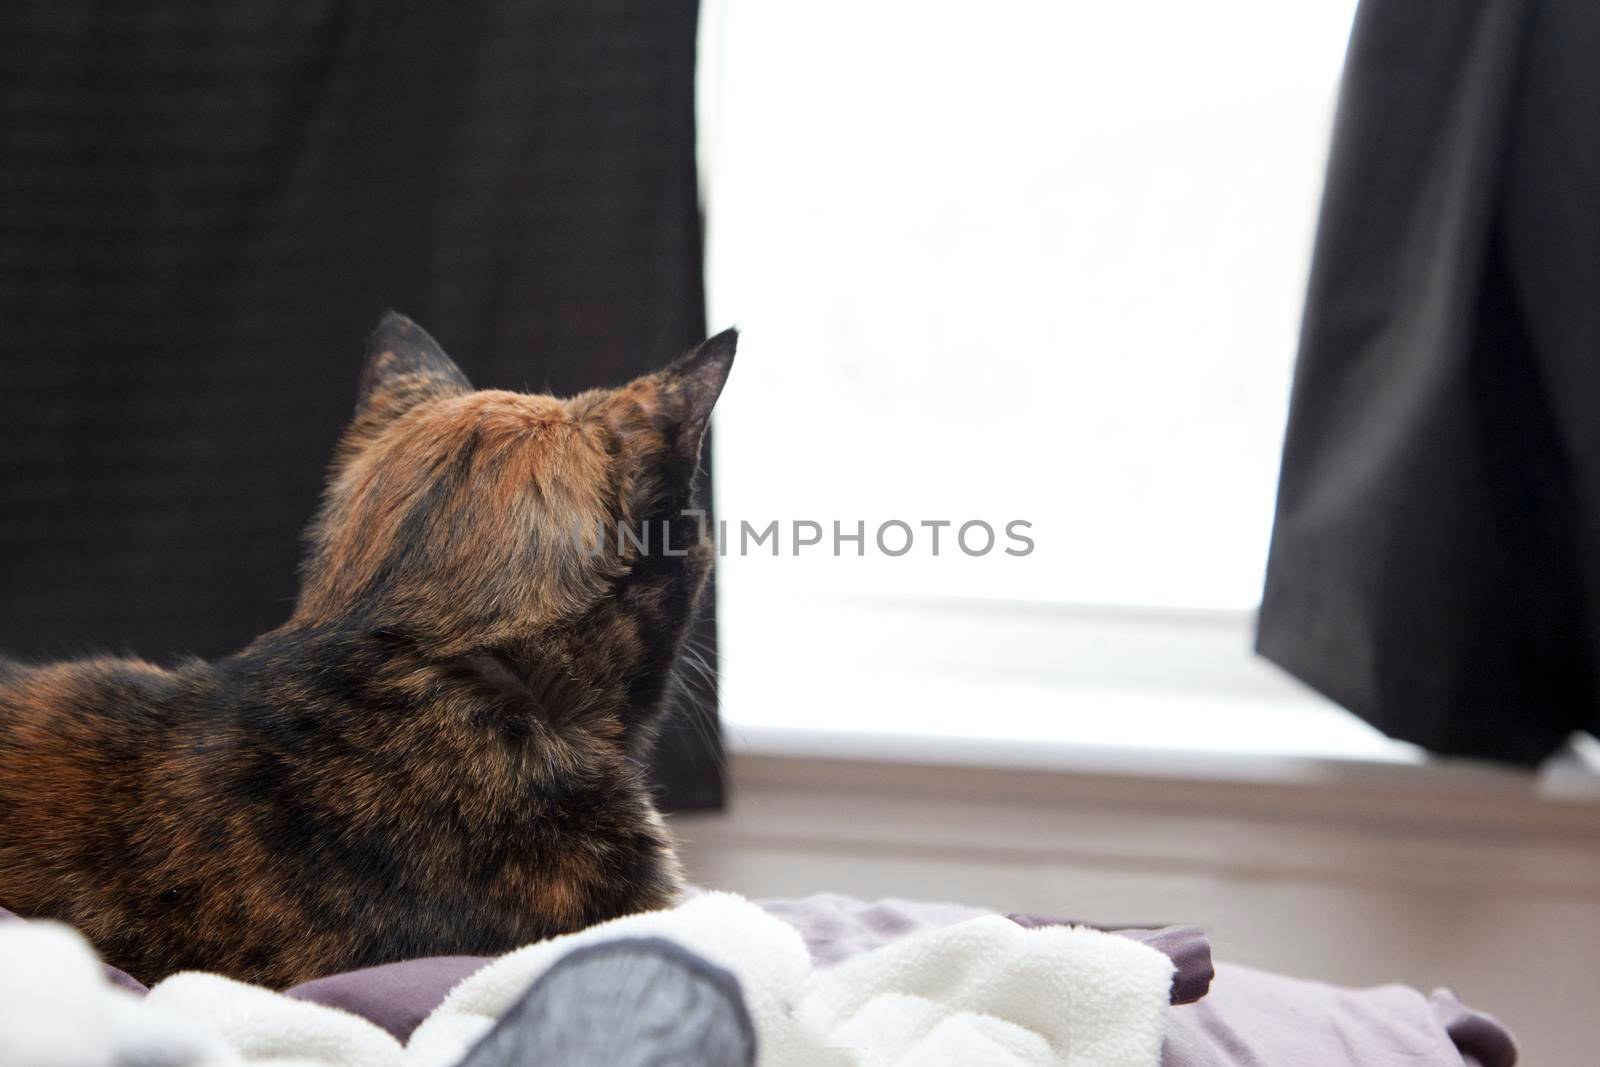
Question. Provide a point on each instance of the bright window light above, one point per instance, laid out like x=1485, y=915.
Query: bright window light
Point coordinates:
x=1020, y=261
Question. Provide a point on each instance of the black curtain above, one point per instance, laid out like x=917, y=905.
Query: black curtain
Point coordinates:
x=1435, y=563
x=204, y=208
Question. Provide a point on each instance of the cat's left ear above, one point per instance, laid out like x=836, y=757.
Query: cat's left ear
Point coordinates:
x=405, y=366
x=689, y=389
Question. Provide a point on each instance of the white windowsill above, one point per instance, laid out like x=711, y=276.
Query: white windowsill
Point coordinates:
x=1033, y=687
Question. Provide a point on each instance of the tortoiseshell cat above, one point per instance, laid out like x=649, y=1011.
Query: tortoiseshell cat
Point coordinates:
x=440, y=752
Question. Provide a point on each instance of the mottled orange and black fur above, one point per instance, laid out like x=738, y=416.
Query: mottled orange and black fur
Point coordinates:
x=440, y=752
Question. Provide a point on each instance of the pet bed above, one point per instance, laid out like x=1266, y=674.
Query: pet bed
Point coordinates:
x=886, y=961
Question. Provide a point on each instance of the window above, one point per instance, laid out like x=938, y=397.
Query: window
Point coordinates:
x=1047, y=265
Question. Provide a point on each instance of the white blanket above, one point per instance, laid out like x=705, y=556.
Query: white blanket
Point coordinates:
x=981, y=992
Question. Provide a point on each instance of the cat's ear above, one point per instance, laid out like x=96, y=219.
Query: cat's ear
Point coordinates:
x=689, y=389
x=405, y=367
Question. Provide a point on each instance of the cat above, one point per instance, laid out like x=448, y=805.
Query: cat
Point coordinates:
x=440, y=752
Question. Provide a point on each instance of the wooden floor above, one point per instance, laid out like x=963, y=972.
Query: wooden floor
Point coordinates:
x=1477, y=881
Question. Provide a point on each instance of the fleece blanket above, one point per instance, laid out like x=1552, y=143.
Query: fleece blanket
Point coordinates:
x=1243, y=1018
x=980, y=991
x=398, y=996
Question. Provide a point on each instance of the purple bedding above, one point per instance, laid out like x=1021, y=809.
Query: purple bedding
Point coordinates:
x=1227, y=1017
x=1254, y=1019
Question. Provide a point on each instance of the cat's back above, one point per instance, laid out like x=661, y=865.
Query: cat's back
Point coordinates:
x=101, y=699
x=82, y=748
x=74, y=738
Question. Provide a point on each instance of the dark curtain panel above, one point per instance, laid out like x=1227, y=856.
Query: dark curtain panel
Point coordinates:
x=1435, y=563
x=204, y=208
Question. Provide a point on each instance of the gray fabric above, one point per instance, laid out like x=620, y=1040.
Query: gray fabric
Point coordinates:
x=632, y=1002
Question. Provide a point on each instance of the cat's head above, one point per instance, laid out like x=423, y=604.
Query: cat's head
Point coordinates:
x=538, y=540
